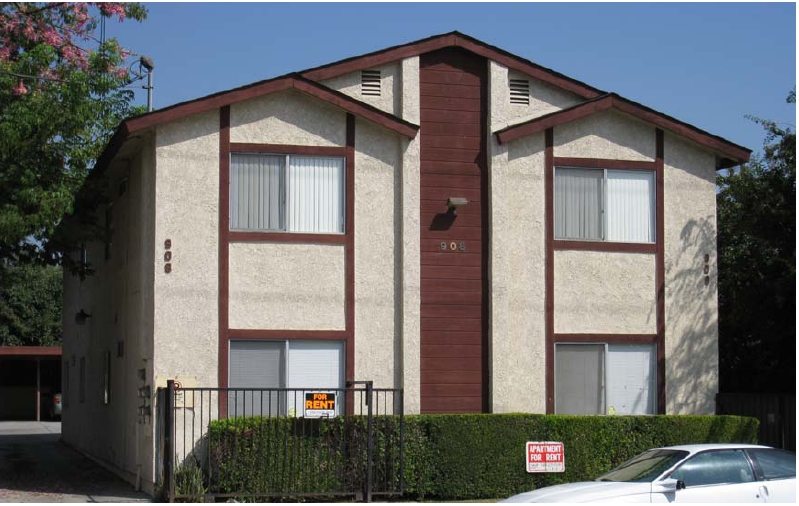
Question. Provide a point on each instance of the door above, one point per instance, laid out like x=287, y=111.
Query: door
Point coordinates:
x=717, y=476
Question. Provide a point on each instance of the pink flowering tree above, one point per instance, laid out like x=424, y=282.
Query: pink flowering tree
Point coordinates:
x=62, y=94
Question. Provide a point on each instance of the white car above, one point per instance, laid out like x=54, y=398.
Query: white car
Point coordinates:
x=689, y=473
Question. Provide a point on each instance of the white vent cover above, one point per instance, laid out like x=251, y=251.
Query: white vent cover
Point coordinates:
x=520, y=91
x=370, y=82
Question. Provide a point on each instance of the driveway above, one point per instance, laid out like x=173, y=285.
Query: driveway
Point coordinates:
x=35, y=466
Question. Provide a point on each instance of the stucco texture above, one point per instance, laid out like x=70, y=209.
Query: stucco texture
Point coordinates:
x=604, y=293
x=606, y=134
x=287, y=286
x=287, y=117
x=391, y=81
x=409, y=371
x=377, y=252
x=517, y=277
x=544, y=98
x=187, y=213
x=691, y=305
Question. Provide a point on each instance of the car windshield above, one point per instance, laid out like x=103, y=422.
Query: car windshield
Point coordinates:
x=645, y=467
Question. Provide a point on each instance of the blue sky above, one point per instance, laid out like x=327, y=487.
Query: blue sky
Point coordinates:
x=706, y=64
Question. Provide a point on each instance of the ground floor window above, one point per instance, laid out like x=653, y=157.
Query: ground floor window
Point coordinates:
x=603, y=378
x=298, y=366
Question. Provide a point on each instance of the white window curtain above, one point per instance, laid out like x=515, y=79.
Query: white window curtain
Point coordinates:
x=287, y=193
x=315, y=365
x=579, y=379
x=256, y=364
x=578, y=204
x=631, y=379
x=630, y=206
x=316, y=194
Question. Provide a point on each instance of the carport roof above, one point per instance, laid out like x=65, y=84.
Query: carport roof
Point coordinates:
x=30, y=351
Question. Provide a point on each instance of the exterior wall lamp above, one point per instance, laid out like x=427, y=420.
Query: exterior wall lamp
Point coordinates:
x=80, y=317
x=453, y=203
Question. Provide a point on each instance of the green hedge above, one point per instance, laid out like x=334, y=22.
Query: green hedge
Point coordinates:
x=447, y=457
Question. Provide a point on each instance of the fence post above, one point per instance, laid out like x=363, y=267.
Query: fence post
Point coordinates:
x=369, y=442
x=402, y=441
x=169, y=443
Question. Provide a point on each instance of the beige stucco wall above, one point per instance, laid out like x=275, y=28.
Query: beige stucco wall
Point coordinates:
x=517, y=352
x=544, y=98
x=410, y=296
x=391, y=82
x=187, y=213
x=287, y=117
x=116, y=298
x=287, y=286
x=377, y=252
x=604, y=293
x=691, y=306
x=607, y=134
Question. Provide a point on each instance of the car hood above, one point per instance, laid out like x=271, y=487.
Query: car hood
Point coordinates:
x=584, y=491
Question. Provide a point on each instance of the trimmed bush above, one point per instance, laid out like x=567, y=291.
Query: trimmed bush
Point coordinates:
x=446, y=457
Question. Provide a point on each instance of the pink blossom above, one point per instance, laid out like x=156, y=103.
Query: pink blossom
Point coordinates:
x=20, y=89
x=51, y=38
x=121, y=72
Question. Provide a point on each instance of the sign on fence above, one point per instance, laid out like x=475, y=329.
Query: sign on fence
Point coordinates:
x=545, y=457
x=320, y=405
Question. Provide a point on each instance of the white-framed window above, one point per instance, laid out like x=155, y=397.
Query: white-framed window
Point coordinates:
x=287, y=193
x=605, y=378
x=604, y=205
x=299, y=365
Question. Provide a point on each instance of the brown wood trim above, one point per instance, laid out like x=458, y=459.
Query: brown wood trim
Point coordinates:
x=286, y=237
x=349, y=317
x=732, y=152
x=604, y=163
x=30, y=351
x=626, y=247
x=554, y=119
x=549, y=270
x=287, y=149
x=224, y=250
x=607, y=338
x=485, y=197
x=448, y=40
x=660, y=274
x=327, y=335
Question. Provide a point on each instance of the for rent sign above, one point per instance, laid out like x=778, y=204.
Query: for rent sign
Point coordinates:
x=545, y=457
x=320, y=405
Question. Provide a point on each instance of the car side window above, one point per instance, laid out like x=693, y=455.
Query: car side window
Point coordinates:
x=715, y=468
x=775, y=464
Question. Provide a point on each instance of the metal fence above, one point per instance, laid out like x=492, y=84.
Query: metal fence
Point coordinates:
x=280, y=443
x=776, y=412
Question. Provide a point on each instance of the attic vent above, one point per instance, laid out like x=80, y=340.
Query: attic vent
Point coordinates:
x=520, y=91
x=370, y=82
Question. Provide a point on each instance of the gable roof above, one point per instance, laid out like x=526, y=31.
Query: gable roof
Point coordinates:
x=452, y=39
x=731, y=154
x=258, y=89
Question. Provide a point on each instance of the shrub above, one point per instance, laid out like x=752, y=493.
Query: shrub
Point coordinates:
x=446, y=457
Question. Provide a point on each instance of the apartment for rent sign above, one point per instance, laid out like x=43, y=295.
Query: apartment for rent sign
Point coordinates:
x=545, y=457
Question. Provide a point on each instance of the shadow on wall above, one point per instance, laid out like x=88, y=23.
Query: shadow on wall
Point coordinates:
x=692, y=320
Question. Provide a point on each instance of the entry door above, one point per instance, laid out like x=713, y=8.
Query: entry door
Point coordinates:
x=453, y=239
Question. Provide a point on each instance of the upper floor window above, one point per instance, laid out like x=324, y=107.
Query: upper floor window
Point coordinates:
x=289, y=193
x=604, y=205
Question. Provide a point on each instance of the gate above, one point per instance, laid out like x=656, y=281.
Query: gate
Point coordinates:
x=776, y=412
x=280, y=443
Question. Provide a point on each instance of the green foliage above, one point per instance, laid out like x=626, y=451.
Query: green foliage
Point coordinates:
x=57, y=111
x=30, y=305
x=447, y=457
x=189, y=482
x=757, y=268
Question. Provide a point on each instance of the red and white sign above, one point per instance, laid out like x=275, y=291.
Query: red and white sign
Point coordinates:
x=545, y=457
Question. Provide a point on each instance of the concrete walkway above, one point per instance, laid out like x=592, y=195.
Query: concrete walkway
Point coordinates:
x=35, y=466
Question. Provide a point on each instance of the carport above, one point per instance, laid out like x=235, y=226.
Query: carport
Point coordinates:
x=29, y=375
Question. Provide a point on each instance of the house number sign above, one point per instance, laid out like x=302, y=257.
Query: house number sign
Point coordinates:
x=453, y=246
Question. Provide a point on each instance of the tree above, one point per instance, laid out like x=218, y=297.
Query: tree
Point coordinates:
x=30, y=306
x=59, y=103
x=757, y=267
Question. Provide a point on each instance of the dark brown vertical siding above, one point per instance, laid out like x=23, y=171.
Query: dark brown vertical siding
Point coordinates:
x=453, y=164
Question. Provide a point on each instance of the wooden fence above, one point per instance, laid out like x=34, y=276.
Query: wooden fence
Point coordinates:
x=776, y=412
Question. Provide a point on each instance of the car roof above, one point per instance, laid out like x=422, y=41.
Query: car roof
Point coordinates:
x=696, y=448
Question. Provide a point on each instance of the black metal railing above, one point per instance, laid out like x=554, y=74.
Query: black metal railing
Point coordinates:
x=281, y=443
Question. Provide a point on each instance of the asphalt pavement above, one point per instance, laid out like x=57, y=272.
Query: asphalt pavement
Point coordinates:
x=35, y=466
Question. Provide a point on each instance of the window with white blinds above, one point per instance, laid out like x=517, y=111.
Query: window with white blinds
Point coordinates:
x=289, y=193
x=604, y=205
x=605, y=379
x=307, y=365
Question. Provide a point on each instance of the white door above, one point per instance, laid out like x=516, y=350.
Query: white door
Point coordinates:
x=717, y=476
